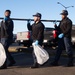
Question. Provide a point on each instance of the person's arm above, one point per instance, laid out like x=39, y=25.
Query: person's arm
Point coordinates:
x=4, y=25
x=57, y=27
x=29, y=26
x=68, y=28
x=41, y=32
x=12, y=26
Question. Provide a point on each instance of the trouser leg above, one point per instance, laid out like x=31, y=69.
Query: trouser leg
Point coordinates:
x=59, y=50
x=3, y=43
x=34, y=57
x=6, y=43
x=68, y=46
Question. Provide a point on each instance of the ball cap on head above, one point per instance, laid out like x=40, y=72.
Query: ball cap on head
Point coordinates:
x=38, y=15
x=64, y=12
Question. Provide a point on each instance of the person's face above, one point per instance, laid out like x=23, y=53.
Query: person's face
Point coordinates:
x=7, y=14
x=63, y=16
x=36, y=18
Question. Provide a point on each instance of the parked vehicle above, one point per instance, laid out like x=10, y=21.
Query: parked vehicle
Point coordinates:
x=73, y=34
x=24, y=38
x=50, y=37
x=14, y=38
x=72, y=38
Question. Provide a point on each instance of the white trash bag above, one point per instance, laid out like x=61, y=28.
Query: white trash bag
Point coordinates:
x=2, y=55
x=42, y=55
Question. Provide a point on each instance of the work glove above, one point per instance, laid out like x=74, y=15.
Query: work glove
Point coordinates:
x=6, y=18
x=61, y=35
x=36, y=42
x=29, y=21
x=55, y=25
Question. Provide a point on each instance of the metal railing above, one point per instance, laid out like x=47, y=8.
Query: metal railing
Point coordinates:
x=20, y=19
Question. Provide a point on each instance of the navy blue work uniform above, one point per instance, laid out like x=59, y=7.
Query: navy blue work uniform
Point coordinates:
x=7, y=38
x=37, y=34
x=65, y=27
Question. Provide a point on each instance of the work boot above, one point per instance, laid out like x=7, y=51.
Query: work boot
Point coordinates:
x=36, y=65
x=11, y=63
x=4, y=66
x=70, y=61
x=54, y=64
x=70, y=65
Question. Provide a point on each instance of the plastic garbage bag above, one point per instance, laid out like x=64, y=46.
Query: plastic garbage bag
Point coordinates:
x=41, y=54
x=2, y=55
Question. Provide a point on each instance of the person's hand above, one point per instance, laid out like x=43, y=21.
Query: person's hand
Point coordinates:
x=55, y=25
x=5, y=18
x=36, y=42
x=61, y=35
x=29, y=21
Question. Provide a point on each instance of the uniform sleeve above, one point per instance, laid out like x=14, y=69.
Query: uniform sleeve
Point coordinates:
x=1, y=26
x=0, y=23
x=4, y=25
x=29, y=27
x=41, y=32
x=68, y=28
x=57, y=27
x=12, y=26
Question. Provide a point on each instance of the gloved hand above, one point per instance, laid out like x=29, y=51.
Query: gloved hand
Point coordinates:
x=55, y=25
x=36, y=42
x=6, y=18
x=61, y=35
x=29, y=21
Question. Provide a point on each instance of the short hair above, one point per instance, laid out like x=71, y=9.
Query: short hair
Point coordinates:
x=8, y=11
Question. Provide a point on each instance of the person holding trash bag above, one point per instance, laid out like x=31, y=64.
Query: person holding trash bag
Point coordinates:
x=37, y=29
x=7, y=36
x=64, y=38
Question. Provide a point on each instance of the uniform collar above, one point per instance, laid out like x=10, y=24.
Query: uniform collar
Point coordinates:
x=38, y=22
x=64, y=19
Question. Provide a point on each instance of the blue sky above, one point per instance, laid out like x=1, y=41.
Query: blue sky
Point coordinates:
x=26, y=8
